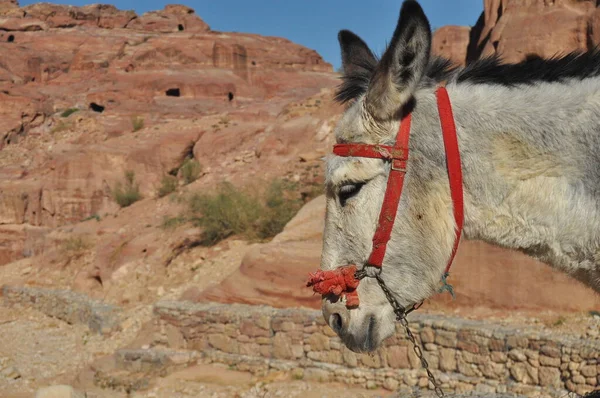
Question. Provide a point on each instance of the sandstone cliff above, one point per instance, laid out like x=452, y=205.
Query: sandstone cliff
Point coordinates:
x=89, y=92
x=515, y=29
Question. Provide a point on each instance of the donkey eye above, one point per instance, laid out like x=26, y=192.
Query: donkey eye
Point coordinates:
x=348, y=191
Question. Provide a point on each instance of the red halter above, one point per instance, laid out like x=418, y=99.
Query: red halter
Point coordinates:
x=342, y=281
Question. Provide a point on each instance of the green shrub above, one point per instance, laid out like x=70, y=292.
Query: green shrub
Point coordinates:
x=231, y=211
x=137, y=123
x=68, y=112
x=227, y=212
x=75, y=245
x=280, y=208
x=129, y=193
x=190, y=170
x=92, y=217
x=172, y=222
x=168, y=184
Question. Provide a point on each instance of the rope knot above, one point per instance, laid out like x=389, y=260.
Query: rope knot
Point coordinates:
x=446, y=286
x=340, y=282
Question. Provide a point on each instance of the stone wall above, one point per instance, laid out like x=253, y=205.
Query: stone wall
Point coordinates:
x=69, y=306
x=464, y=355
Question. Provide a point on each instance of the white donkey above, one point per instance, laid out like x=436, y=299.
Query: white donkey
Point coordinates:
x=529, y=139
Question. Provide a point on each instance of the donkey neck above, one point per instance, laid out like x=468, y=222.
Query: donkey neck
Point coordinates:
x=530, y=157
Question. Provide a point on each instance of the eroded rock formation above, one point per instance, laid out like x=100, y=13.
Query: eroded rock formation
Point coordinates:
x=515, y=29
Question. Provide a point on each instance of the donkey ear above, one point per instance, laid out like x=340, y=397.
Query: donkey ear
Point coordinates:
x=402, y=65
x=356, y=55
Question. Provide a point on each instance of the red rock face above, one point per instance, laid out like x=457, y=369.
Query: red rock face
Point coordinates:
x=7, y=5
x=515, y=29
x=111, y=66
x=174, y=18
x=451, y=42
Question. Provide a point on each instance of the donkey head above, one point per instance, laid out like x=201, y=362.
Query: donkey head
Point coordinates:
x=422, y=236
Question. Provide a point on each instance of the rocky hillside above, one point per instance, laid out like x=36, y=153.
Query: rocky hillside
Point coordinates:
x=93, y=93
x=90, y=93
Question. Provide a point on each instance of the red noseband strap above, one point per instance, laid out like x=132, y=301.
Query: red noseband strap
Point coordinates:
x=342, y=281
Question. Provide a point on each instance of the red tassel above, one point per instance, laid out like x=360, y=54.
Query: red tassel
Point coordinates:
x=339, y=282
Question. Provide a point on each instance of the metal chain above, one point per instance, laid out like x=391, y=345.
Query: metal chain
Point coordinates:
x=401, y=313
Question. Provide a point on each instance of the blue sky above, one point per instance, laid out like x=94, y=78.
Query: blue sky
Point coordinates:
x=312, y=23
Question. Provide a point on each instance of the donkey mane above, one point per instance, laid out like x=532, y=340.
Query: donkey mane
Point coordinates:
x=489, y=70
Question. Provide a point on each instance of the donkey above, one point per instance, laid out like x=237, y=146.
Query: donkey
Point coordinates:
x=529, y=139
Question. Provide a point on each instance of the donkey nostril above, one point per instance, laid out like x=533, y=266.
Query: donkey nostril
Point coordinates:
x=335, y=321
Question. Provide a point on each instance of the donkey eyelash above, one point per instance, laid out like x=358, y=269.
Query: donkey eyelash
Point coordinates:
x=348, y=183
x=346, y=188
x=348, y=191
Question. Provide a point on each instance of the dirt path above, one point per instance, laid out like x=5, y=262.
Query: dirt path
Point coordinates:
x=37, y=350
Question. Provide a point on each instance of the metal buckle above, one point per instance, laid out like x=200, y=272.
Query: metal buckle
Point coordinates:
x=398, y=168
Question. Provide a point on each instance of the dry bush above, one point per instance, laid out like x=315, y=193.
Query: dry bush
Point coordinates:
x=251, y=215
x=128, y=193
x=190, y=170
x=168, y=184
